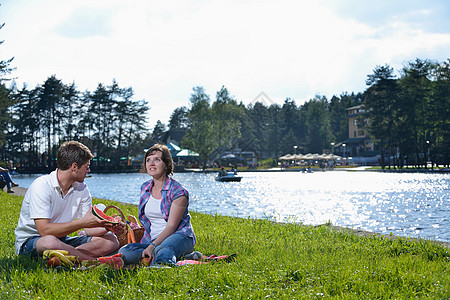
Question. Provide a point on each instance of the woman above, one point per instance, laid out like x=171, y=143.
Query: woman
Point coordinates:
x=163, y=212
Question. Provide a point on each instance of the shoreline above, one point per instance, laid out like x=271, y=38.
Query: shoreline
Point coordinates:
x=183, y=169
x=20, y=191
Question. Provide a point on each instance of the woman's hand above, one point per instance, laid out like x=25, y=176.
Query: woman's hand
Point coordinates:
x=118, y=229
x=148, y=252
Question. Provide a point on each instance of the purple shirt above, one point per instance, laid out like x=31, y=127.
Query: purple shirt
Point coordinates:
x=172, y=190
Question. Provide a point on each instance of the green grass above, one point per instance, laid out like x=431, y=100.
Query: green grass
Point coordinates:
x=278, y=261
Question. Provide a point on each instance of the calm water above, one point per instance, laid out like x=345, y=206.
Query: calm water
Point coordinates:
x=415, y=205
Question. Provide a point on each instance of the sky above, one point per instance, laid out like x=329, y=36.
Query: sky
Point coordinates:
x=260, y=50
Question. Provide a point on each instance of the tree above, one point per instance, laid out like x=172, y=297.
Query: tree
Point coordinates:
x=5, y=103
x=85, y=124
x=201, y=135
x=439, y=139
x=275, y=129
x=414, y=102
x=130, y=123
x=317, y=122
x=293, y=133
x=5, y=99
x=179, y=118
x=70, y=113
x=381, y=105
x=50, y=96
x=226, y=116
x=26, y=124
x=256, y=133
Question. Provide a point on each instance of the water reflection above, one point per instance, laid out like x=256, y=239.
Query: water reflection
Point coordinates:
x=404, y=204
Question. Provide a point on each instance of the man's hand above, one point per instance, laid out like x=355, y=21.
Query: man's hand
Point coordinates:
x=91, y=221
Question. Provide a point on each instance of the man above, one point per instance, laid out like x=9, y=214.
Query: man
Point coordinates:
x=58, y=204
x=223, y=172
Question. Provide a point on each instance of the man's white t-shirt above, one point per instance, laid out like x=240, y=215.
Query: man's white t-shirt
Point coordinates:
x=44, y=199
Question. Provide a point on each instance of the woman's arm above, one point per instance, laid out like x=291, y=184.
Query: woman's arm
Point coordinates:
x=175, y=214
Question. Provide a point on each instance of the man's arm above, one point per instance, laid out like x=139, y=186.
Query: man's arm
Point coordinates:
x=45, y=227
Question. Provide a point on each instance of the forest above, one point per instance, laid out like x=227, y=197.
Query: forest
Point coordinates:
x=407, y=117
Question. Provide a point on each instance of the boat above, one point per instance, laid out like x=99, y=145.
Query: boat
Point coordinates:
x=229, y=177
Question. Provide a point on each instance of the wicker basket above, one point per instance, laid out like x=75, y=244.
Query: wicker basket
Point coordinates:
x=123, y=238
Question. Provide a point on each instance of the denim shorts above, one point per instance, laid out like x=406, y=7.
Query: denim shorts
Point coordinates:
x=29, y=246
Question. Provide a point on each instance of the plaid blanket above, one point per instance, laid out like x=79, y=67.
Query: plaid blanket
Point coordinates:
x=206, y=259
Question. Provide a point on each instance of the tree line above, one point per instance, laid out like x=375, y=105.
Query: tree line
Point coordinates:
x=108, y=120
x=213, y=127
x=407, y=117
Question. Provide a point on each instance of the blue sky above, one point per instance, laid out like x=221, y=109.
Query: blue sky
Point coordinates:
x=162, y=49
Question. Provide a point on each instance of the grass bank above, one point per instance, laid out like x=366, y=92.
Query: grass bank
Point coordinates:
x=280, y=261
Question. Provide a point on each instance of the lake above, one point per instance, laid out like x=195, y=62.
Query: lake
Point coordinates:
x=405, y=204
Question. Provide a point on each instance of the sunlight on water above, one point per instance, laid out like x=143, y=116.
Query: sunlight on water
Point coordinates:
x=404, y=204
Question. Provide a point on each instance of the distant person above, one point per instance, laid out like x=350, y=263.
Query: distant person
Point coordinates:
x=234, y=170
x=58, y=204
x=8, y=180
x=223, y=172
x=163, y=212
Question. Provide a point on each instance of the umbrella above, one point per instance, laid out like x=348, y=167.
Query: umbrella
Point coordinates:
x=308, y=156
x=298, y=156
x=286, y=157
x=326, y=156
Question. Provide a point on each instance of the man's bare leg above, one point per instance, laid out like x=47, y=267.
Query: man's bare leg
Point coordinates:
x=98, y=246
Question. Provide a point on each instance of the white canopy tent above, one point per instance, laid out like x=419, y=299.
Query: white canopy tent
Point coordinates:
x=310, y=156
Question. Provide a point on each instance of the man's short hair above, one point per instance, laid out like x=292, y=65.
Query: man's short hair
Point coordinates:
x=73, y=152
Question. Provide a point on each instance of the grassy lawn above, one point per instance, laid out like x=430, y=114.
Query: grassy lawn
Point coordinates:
x=279, y=261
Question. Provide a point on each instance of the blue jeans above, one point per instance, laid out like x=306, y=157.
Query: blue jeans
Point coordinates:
x=172, y=248
x=7, y=178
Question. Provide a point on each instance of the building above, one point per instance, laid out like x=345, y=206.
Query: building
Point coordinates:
x=359, y=143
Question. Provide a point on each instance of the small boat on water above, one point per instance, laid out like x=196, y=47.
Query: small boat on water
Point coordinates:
x=229, y=177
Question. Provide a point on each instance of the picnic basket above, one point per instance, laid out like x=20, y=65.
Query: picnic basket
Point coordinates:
x=128, y=235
